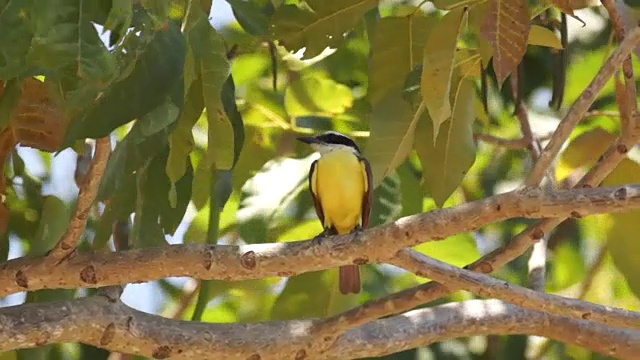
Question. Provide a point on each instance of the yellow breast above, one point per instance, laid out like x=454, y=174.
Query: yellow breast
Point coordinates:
x=340, y=185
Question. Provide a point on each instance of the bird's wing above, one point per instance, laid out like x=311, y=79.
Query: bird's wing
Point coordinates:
x=313, y=187
x=368, y=191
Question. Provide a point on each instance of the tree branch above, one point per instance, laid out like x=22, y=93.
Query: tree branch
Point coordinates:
x=514, y=144
x=581, y=105
x=88, y=190
x=230, y=262
x=483, y=285
x=110, y=324
x=628, y=103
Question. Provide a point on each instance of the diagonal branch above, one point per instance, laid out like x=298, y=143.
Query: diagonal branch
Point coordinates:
x=628, y=103
x=230, y=262
x=487, y=286
x=581, y=105
x=88, y=190
x=110, y=324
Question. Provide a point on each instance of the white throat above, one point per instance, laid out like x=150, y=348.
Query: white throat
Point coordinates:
x=324, y=149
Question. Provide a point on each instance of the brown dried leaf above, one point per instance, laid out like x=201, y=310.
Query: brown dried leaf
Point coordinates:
x=564, y=5
x=37, y=122
x=506, y=26
x=567, y=7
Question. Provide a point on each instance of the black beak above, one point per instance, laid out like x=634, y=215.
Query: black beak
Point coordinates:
x=308, y=139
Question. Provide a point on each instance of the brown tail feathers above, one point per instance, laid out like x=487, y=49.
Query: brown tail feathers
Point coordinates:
x=349, y=279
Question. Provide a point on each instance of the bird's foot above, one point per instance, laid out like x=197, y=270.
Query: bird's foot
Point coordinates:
x=318, y=238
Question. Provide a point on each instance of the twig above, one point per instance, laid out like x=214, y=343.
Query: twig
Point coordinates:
x=189, y=293
x=484, y=285
x=581, y=105
x=523, y=118
x=257, y=261
x=514, y=144
x=112, y=325
x=538, y=258
x=88, y=190
x=591, y=274
x=595, y=113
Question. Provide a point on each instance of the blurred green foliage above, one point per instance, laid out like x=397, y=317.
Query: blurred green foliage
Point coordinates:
x=206, y=119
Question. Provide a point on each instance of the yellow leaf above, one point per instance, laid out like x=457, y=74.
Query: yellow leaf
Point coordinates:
x=583, y=152
x=622, y=236
x=541, y=36
x=439, y=53
x=476, y=16
x=506, y=26
x=468, y=63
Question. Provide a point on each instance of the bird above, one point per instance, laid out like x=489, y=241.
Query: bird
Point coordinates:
x=340, y=182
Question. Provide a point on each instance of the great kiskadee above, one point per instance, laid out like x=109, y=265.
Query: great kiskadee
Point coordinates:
x=340, y=183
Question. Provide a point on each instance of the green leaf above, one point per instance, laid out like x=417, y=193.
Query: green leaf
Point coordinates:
x=321, y=26
x=540, y=35
x=396, y=49
x=253, y=17
x=8, y=101
x=387, y=201
x=65, y=38
x=155, y=213
x=155, y=76
x=622, y=234
x=437, y=70
x=228, y=97
x=457, y=250
x=181, y=139
x=211, y=60
x=15, y=37
x=158, y=188
x=146, y=137
x=201, y=180
x=158, y=9
x=119, y=20
x=446, y=162
x=54, y=219
x=158, y=119
x=308, y=295
x=410, y=189
x=392, y=127
x=314, y=94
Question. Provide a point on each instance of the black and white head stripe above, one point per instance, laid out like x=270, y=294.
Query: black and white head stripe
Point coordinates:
x=333, y=137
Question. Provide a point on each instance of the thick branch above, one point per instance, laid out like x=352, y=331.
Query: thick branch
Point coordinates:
x=110, y=324
x=285, y=259
x=484, y=285
x=86, y=196
x=581, y=105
